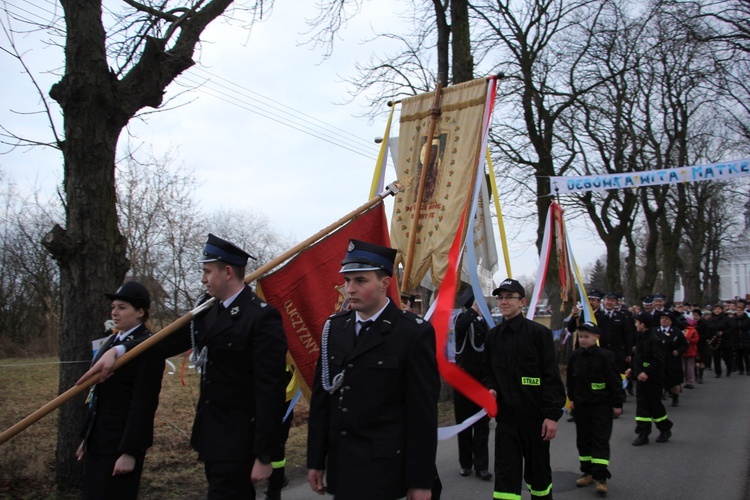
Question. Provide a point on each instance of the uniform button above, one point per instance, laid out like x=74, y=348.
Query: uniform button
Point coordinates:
x=350, y=365
x=208, y=382
x=208, y=402
x=380, y=362
x=343, y=433
x=346, y=388
x=344, y=410
x=229, y=344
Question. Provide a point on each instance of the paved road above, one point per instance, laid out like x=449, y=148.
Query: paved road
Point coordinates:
x=708, y=456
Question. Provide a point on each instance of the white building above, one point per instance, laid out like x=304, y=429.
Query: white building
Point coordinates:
x=734, y=272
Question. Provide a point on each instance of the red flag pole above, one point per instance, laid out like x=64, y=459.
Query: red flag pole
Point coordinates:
x=66, y=396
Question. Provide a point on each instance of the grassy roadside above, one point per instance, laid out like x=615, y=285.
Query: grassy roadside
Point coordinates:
x=172, y=471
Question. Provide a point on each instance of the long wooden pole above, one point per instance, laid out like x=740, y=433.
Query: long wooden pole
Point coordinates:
x=408, y=261
x=77, y=389
x=66, y=396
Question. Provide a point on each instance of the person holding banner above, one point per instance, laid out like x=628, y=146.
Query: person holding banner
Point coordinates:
x=471, y=332
x=372, y=430
x=240, y=347
x=119, y=425
x=576, y=318
x=521, y=372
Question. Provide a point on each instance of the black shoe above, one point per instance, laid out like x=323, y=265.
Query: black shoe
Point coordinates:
x=664, y=437
x=465, y=472
x=484, y=475
x=690, y=386
x=640, y=440
x=675, y=401
x=718, y=375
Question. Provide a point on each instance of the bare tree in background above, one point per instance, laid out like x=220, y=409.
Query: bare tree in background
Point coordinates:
x=252, y=232
x=164, y=229
x=540, y=45
x=606, y=126
x=117, y=62
x=29, y=278
x=440, y=31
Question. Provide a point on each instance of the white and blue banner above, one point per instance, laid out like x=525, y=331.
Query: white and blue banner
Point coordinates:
x=711, y=172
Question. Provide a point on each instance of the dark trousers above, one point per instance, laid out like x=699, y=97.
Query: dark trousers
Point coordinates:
x=100, y=484
x=230, y=480
x=726, y=354
x=520, y=453
x=743, y=359
x=473, y=448
x=649, y=408
x=278, y=479
x=593, y=430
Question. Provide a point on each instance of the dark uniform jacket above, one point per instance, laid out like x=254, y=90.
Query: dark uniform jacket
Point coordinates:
x=521, y=365
x=672, y=340
x=471, y=333
x=593, y=378
x=243, y=384
x=376, y=436
x=739, y=325
x=649, y=356
x=120, y=418
x=617, y=334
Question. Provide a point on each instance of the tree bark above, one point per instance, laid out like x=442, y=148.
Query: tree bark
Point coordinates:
x=463, y=61
x=90, y=250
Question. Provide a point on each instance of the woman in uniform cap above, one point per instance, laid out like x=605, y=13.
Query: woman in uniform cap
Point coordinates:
x=119, y=425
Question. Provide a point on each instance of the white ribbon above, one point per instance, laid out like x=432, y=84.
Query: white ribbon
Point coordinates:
x=453, y=430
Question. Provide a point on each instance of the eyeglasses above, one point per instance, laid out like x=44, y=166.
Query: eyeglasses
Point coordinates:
x=507, y=297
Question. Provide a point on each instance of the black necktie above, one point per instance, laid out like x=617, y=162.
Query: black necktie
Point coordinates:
x=221, y=307
x=363, y=325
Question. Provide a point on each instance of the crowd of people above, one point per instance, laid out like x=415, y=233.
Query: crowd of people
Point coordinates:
x=651, y=352
x=373, y=419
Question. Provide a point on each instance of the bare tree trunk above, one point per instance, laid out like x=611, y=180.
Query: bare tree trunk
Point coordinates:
x=443, y=41
x=463, y=61
x=90, y=250
x=96, y=105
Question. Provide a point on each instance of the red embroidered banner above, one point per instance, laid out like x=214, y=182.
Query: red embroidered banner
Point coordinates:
x=309, y=288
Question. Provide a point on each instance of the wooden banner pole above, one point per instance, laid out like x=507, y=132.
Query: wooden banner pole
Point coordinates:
x=66, y=396
x=408, y=261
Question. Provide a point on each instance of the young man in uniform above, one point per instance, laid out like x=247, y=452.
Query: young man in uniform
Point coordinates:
x=241, y=350
x=372, y=430
x=595, y=391
x=521, y=371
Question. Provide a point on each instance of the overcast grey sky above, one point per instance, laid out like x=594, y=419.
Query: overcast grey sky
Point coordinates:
x=303, y=175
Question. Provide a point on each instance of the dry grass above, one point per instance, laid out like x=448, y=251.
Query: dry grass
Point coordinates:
x=172, y=471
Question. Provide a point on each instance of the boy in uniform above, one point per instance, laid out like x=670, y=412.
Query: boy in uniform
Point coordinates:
x=595, y=391
x=648, y=368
